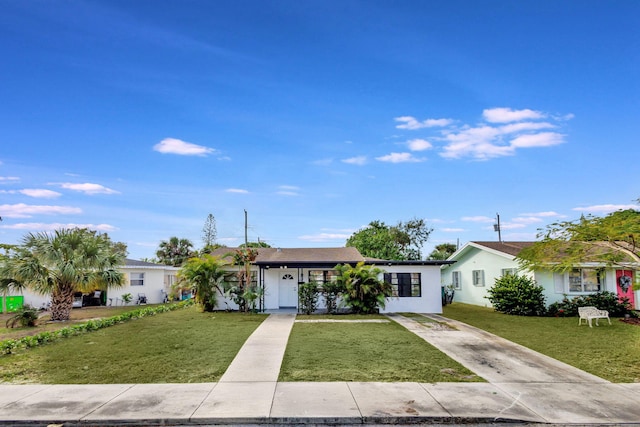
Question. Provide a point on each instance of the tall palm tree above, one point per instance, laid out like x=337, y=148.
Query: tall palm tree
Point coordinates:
x=65, y=262
x=174, y=251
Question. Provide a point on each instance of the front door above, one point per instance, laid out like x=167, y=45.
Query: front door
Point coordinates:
x=624, y=285
x=288, y=291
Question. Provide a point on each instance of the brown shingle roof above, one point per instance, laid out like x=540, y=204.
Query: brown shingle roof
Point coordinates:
x=301, y=255
x=511, y=248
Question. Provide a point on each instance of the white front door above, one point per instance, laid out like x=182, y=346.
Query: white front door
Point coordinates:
x=288, y=291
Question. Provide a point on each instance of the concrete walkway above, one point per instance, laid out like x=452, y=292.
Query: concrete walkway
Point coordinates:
x=558, y=395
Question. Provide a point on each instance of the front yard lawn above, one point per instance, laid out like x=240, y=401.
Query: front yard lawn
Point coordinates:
x=181, y=346
x=365, y=352
x=610, y=352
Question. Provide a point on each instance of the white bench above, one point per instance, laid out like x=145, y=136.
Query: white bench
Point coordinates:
x=588, y=313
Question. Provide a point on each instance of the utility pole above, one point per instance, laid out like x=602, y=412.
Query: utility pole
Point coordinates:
x=246, y=239
x=496, y=227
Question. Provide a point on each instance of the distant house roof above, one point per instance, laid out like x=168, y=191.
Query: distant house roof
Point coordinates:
x=511, y=248
x=134, y=263
x=317, y=257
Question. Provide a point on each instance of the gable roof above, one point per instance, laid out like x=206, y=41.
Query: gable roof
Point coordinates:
x=510, y=248
x=316, y=257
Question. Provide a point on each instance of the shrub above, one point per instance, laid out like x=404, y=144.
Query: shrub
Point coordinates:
x=308, y=297
x=331, y=291
x=518, y=295
x=602, y=300
x=363, y=292
x=27, y=316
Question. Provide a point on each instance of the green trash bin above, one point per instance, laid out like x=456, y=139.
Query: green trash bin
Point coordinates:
x=13, y=303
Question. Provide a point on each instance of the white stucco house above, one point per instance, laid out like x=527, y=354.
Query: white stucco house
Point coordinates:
x=279, y=271
x=153, y=281
x=477, y=265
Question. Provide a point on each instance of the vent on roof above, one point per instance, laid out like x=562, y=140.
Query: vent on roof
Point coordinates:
x=279, y=250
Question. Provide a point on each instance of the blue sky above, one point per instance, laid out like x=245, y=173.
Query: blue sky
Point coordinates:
x=139, y=118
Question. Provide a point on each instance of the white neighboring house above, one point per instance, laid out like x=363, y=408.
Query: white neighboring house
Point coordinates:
x=141, y=278
x=479, y=264
x=279, y=271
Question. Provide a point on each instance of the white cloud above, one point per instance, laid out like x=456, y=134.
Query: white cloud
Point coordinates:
x=322, y=162
x=177, y=146
x=510, y=226
x=88, y=188
x=39, y=226
x=325, y=237
x=237, y=190
x=478, y=219
x=525, y=126
x=399, y=158
x=543, y=139
x=288, y=190
x=506, y=115
x=40, y=193
x=358, y=160
x=605, y=208
x=22, y=210
x=289, y=187
x=411, y=123
x=6, y=179
x=419, y=145
x=452, y=230
x=545, y=214
x=526, y=220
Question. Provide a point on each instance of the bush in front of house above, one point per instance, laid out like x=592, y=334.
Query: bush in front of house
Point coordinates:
x=308, y=294
x=517, y=295
x=604, y=300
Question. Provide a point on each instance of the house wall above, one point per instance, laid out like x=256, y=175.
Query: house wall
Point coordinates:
x=155, y=280
x=430, y=300
x=556, y=285
x=490, y=263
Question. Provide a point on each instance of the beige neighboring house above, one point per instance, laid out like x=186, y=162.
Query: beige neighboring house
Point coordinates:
x=279, y=271
x=142, y=279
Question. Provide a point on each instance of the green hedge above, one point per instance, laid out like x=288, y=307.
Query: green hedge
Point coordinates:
x=11, y=346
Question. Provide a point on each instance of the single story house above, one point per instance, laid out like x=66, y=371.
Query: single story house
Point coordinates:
x=477, y=265
x=279, y=271
x=142, y=279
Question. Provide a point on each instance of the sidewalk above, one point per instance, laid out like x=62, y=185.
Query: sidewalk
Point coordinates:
x=573, y=397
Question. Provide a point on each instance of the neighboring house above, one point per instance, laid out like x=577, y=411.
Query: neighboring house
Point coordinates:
x=147, y=279
x=279, y=271
x=478, y=265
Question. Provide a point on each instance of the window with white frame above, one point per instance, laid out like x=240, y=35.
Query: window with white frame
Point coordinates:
x=585, y=280
x=456, y=280
x=404, y=284
x=478, y=277
x=136, y=279
x=508, y=272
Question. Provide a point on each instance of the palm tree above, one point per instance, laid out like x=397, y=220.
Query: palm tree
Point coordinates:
x=362, y=290
x=207, y=276
x=66, y=262
x=175, y=251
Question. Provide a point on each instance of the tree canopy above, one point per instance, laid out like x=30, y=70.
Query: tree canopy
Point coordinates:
x=613, y=239
x=403, y=241
x=442, y=251
x=174, y=251
x=209, y=232
x=65, y=262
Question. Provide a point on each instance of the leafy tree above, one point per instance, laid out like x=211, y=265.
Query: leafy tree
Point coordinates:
x=174, y=251
x=208, y=276
x=245, y=293
x=209, y=232
x=331, y=291
x=400, y=242
x=442, y=251
x=363, y=291
x=258, y=244
x=613, y=239
x=7, y=282
x=518, y=295
x=65, y=262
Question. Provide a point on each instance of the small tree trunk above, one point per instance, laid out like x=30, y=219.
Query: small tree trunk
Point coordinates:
x=61, y=303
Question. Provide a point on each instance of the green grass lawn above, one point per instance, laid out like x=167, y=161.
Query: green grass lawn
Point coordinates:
x=610, y=352
x=365, y=352
x=181, y=346
x=78, y=315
